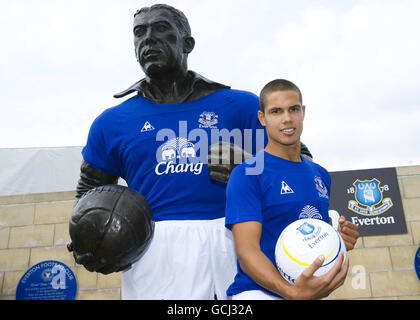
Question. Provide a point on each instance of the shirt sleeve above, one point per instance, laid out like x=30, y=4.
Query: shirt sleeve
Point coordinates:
x=243, y=198
x=101, y=150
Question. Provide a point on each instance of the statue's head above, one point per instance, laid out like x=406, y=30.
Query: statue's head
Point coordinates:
x=162, y=40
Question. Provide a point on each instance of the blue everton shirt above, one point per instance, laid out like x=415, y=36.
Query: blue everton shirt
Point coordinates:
x=285, y=191
x=161, y=150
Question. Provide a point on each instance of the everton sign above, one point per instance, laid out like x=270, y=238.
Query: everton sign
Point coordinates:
x=369, y=198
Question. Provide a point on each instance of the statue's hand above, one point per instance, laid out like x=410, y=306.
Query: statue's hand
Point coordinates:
x=94, y=242
x=223, y=157
x=93, y=263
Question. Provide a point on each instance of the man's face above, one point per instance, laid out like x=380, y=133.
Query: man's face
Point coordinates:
x=159, y=44
x=283, y=117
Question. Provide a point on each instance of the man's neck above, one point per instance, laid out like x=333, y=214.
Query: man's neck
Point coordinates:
x=290, y=153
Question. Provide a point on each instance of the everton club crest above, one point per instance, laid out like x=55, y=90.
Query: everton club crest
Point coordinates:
x=208, y=120
x=321, y=187
x=369, y=198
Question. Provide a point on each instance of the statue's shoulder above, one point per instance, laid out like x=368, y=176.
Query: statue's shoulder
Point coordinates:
x=123, y=109
x=241, y=97
x=242, y=94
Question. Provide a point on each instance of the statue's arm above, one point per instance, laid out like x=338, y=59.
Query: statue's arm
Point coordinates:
x=91, y=178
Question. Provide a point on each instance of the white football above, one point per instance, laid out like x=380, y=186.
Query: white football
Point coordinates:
x=304, y=240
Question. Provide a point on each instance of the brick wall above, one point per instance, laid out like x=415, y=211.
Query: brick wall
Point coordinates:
x=34, y=228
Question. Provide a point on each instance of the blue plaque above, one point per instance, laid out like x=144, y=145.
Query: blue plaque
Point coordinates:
x=417, y=263
x=47, y=280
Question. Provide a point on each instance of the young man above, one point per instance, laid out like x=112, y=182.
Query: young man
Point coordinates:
x=290, y=187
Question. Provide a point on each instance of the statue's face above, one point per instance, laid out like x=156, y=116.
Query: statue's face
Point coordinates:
x=158, y=42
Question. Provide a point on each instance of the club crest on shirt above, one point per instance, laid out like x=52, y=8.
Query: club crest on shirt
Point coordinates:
x=321, y=187
x=208, y=120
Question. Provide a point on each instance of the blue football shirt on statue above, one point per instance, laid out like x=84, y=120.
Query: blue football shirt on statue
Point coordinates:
x=284, y=192
x=161, y=150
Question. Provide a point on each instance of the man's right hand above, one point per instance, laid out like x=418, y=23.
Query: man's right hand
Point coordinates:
x=308, y=286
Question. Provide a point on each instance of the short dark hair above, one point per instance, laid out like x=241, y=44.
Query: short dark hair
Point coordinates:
x=180, y=18
x=278, y=85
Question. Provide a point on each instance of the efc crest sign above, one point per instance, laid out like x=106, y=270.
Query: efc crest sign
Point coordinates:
x=369, y=198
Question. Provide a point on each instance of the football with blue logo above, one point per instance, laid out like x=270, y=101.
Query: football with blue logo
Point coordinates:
x=304, y=240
